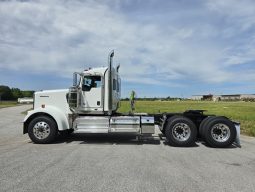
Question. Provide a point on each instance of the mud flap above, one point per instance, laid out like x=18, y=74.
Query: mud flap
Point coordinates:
x=237, y=140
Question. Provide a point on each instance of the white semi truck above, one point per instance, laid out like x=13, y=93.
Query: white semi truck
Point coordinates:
x=91, y=104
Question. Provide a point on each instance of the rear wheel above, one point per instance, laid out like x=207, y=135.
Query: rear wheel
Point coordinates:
x=203, y=125
x=180, y=131
x=219, y=132
x=42, y=129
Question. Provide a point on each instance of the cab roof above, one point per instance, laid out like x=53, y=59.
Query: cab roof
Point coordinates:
x=97, y=70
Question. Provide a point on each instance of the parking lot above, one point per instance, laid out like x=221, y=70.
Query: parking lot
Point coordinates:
x=118, y=163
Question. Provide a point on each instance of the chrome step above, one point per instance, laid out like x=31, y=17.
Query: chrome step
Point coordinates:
x=91, y=124
x=125, y=124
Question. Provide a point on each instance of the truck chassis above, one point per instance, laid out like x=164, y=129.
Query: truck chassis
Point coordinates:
x=180, y=129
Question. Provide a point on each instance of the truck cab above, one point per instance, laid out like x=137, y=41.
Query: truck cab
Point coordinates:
x=91, y=91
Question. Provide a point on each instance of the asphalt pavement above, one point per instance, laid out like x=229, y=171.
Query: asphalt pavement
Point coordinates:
x=118, y=163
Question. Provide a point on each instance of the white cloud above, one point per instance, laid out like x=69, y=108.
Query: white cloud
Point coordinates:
x=240, y=28
x=67, y=36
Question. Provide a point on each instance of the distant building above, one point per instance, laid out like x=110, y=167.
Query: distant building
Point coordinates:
x=197, y=97
x=230, y=97
x=235, y=97
x=207, y=97
x=248, y=96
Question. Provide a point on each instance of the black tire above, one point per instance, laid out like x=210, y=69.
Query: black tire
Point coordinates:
x=203, y=125
x=48, y=127
x=228, y=132
x=173, y=125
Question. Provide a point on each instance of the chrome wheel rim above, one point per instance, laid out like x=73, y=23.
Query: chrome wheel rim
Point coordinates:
x=220, y=132
x=41, y=130
x=181, y=131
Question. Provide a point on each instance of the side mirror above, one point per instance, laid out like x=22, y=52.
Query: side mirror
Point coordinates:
x=75, y=81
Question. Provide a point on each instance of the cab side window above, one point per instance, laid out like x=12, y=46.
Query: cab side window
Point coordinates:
x=90, y=82
x=114, y=84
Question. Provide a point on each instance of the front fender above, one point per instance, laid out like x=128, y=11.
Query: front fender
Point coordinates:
x=60, y=117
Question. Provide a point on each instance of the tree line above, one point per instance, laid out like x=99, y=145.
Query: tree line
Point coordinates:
x=7, y=93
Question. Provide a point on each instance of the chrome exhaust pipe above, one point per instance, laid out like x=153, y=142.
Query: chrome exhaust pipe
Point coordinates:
x=110, y=82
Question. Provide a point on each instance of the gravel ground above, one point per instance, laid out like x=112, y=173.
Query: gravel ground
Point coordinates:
x=118, y=163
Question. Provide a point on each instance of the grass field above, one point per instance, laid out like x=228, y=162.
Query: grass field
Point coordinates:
x=244, y=112
x=7, y=103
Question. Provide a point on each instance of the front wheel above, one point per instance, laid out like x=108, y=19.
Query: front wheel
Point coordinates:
x=42, y=130
x=180, y=131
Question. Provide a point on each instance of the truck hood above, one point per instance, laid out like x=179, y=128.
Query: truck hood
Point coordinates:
x=53, y=98
x=51, y=91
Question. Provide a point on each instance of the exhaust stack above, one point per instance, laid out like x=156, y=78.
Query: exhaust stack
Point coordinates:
x=110, y=82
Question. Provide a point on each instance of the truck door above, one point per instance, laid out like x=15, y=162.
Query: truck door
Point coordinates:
x=92, y=92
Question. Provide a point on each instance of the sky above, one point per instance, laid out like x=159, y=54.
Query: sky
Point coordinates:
x=165, y=48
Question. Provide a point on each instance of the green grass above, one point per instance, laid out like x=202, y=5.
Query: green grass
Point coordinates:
x=243, y=112
x=4, y=104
